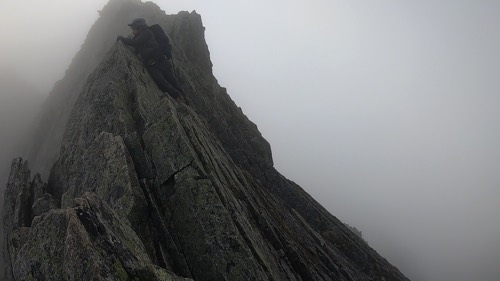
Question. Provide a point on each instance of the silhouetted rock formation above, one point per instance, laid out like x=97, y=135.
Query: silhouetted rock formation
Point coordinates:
x=145, y=188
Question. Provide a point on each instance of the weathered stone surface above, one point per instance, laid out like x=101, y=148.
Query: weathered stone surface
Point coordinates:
x=19, y=180
x=43, y=205
x=86, y=242
x=39, y=187
x=150, y=189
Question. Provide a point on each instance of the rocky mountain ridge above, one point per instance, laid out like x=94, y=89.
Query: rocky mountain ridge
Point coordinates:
x=144, y=188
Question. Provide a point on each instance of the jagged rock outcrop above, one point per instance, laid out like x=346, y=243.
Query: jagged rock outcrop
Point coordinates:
x=145, y=188
x=84, y=241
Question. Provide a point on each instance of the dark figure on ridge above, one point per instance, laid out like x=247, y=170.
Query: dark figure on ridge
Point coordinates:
x=155, y=59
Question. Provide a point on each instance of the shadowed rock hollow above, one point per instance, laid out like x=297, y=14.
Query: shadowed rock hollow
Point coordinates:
x=144, y=188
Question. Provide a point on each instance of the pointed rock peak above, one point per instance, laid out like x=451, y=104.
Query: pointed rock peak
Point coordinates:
x=146, y=188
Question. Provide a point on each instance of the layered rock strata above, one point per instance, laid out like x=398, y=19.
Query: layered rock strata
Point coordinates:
x=144, y=188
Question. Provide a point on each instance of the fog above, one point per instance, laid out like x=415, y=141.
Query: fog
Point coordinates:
x=385, y=111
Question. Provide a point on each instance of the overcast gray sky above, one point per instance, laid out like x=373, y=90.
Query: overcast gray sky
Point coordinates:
x=386, y=111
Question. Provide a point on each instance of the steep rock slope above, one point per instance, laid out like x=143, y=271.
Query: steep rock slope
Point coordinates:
x=149, y=189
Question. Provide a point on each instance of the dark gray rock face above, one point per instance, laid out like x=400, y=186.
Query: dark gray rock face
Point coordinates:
x=144, y=188
x=85, y=241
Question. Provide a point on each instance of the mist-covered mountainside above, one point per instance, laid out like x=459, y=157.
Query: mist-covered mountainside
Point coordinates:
x=19, y=104
x=136, y=186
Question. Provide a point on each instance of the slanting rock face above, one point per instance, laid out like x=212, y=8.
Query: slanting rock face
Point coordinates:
x=145, y=188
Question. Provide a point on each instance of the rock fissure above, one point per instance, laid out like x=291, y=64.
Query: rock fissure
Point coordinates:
x=173, y=257
x=171, y=180
x=254, y=250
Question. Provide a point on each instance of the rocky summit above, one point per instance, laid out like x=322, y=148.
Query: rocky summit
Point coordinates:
x=144, y=188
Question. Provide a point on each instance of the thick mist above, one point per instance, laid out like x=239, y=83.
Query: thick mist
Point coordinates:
x=385, y=111
x=36, y=49
x=19, y=104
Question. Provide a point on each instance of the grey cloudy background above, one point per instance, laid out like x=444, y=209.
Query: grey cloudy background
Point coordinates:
x=387, y=112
